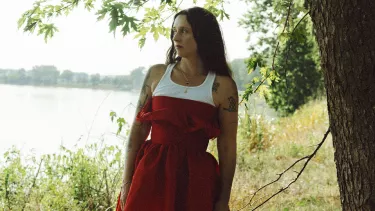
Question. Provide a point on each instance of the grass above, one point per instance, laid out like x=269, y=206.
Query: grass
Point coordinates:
x=283, y=141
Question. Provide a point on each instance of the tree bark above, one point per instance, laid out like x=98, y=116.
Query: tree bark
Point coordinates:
x=345, y=31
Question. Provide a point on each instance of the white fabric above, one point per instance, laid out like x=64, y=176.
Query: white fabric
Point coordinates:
x=201, y=93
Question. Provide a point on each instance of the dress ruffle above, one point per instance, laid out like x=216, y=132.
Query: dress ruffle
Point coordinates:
x=186, y=121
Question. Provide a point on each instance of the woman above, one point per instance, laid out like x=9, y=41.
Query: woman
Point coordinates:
x=184, y=103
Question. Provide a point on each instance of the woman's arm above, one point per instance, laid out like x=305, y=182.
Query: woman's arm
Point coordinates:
x=140, y=130
x=227, y=94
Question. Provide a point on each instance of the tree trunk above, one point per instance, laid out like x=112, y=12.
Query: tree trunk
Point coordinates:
x=345, y=31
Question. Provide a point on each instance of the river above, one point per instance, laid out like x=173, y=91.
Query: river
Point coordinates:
x=39, y=119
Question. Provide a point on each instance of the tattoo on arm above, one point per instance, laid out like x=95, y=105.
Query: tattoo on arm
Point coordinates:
x=215, y=86
x=145, y=85
x=141, y=104
x=232, y=105
x=144, y=89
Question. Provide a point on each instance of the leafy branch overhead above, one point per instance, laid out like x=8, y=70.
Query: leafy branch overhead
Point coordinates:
x=124, y=15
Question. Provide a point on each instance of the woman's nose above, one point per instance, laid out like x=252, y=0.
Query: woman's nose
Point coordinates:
x=176, y=36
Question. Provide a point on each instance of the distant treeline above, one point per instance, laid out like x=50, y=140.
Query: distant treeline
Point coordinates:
x=49, y=75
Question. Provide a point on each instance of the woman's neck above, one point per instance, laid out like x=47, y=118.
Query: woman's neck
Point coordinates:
x=192, y=67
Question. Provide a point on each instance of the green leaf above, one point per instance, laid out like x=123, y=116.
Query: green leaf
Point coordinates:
x=112, y=114
x=156, y=35
x=138, y=35
x=121, y=122
x=49, y=31
x=101, y=14
x=58, y=7
x=141, y=42
x=156, y=31
x=114, y=20
x=133, y=24
x=263, y=71
x=269, y=81
x=21, y=21
x=89, y=5
x=125, y=29
x=226, y=15
x=30, y=27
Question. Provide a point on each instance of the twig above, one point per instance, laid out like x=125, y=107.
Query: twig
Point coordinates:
x=107, y=188
x=178, y=6
x=307, y=158
x=33, y=185
x=64, y=7
x=96, y=113
x=109, y=208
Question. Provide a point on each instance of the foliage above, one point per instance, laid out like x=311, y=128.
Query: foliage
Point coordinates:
x=256, y=131
x=290, y=78
x=299, y=77
x=88, y=178
x=240, y=73
x=141, y=17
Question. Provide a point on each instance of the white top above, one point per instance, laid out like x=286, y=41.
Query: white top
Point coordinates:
x=201, y=93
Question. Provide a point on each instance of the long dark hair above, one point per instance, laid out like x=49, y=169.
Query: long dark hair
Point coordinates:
x=207, y=34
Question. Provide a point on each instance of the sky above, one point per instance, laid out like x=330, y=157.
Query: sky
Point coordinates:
x=85, y=45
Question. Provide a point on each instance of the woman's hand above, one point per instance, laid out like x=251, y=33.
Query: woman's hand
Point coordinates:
x=124, y=194
x=221, y=206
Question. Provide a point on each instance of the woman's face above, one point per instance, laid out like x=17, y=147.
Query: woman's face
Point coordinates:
x=183, y=38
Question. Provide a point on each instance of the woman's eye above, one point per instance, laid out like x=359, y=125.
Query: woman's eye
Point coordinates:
x=181, y=31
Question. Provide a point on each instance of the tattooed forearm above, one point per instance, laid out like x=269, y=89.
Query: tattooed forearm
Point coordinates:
x=215, y=86
x=232, y=105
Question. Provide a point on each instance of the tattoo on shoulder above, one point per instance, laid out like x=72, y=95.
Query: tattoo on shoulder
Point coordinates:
x=232, y=105
x=215, y=86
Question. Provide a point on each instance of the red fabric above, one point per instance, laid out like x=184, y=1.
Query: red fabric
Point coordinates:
x=173, y=171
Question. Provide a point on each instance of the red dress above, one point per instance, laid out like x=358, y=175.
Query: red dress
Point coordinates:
x=173, y=171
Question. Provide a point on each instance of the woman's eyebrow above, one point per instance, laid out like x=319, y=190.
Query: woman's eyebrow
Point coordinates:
x=181, y=27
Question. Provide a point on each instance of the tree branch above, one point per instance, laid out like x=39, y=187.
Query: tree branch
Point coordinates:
x=277, y=47
x=307, y=158
x=301, y=20
x=278, y=42
x=287, y=53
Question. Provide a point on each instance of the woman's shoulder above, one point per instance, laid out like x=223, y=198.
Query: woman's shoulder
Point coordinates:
x=223, y=88
x=225, y=82
x=156, y=71
x=157, y=68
